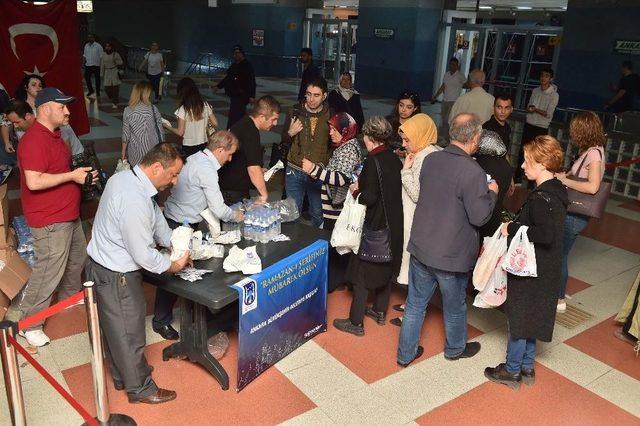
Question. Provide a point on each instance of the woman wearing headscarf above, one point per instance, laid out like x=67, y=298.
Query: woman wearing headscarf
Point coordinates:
x=419, y=135
x=492, y=157
x=336, y=177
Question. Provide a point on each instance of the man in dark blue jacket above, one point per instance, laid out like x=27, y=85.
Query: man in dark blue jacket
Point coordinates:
x=239, y=85
x=309, y=73
x=456, y=197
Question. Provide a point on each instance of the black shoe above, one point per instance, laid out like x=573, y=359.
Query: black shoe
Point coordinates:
x=399, y=307
x=379, y=317
x=348, y=327
x=419, y=353
x=470, y=350
x=167, y=332
x=396, y=321
x=528, y=376
x=500, y=375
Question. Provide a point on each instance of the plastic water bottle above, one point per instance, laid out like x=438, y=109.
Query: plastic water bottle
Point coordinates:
x=248, y=225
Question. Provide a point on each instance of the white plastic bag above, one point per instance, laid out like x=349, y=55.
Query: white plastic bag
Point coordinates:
x=495, y=292
x=493, y=249
x=347, y=231
x=180, y=241
x=521, y=257
x=122, y=165
x=212, y=222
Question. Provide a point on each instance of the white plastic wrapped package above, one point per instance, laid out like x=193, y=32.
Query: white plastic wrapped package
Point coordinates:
x=180, y=241
x=212, y=222
x=247, y=261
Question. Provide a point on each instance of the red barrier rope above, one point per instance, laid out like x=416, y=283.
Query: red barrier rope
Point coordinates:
x=53, y=382
x=52, y=310
x=622, y=163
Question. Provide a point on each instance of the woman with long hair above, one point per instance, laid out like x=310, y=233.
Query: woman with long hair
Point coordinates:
x=379, y=187
x=29, y=88
x=407, y=105
x=531, y=301
x=587, y=133
x=194, y=116
x=141, y=124
x=109, y=72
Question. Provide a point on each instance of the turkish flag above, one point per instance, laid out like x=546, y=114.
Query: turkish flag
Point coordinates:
x=43, y=40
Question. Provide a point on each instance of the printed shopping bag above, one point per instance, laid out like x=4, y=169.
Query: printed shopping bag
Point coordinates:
x=493, y=249
x=495, y=292
x=521, y=257
x=347, y=231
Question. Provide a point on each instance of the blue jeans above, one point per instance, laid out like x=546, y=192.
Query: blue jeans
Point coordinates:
x=521, y=354
x=573, y=226
x=422, y=283
x=297, y=184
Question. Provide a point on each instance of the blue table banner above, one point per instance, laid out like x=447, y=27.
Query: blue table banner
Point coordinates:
x=280, y=309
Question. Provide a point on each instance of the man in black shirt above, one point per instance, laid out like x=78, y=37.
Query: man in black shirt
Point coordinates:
x=239, y=85
x=626, y=90
x=310, y=72
x=245, y=171
x=502, y=109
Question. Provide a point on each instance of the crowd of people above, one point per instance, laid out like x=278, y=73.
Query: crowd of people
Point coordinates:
x=430, y=196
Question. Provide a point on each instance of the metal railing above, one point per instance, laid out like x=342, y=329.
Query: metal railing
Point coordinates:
x=210, y=63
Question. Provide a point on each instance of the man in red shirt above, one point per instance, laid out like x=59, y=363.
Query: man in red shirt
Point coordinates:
x=50, y=193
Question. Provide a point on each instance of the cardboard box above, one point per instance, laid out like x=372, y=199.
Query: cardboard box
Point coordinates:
x=13, y=277
x=8, y=239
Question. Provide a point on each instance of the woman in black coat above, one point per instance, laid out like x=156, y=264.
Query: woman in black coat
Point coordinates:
x=345, y=99
x=491, y=156
x=531, y=301
x=384, y=210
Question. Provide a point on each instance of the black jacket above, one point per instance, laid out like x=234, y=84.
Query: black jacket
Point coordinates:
x=531, y=302
x=371, y=197
x=502, y=172
x=353, y=107
x=308, y=74
x=240, y=80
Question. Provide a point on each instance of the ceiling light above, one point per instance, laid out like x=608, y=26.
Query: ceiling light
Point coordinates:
x=524, y=7
x=486, y=7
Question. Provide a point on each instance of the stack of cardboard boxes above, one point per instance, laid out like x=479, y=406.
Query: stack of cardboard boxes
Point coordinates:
x=14, y=272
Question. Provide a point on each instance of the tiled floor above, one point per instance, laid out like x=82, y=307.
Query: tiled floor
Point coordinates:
x=584, y=376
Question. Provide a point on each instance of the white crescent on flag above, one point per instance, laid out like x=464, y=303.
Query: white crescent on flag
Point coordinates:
x=28, y=28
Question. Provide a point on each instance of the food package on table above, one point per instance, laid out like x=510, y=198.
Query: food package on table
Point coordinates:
x=180, y=241
x=247, y=261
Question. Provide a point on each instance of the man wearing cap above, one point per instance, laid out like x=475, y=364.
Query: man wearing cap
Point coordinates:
x=239, y=85
x=50, y=194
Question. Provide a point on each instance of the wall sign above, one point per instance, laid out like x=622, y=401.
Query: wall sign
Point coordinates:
x=258, y=38
x=387, y=33
x=84, y=6
x=627, y=47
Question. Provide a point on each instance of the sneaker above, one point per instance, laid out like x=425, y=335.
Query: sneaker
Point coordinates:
x=562, y=306
x=348, y=327
x=379, y=317
x=470, y=350
x=114, y=106
x=399, y=308
x=528, y=376
x=419, y=353
x=500, y=375
x=35, y=338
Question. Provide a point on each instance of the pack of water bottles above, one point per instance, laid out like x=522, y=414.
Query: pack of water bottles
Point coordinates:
x=25, y=240
x=262, y=223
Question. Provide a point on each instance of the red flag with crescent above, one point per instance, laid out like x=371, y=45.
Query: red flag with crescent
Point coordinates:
x=43, y=40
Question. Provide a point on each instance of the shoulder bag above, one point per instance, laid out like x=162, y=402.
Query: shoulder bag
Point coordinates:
x=591, y=205
x=375, y=246
x=155, y=123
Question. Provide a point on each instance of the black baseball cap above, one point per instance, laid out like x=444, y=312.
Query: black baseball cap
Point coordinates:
x=51, y=94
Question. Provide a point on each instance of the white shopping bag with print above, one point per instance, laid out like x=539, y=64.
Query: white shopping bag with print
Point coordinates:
x=495, y=292
x=521, y=257
x=347, y=231
x=493, y=248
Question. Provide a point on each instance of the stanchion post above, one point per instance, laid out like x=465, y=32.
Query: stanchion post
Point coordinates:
x=97, y=363
x=11, y=371
x=97, y=360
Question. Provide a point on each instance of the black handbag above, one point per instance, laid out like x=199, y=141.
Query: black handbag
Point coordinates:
x=591, y=205
x=375, y=246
